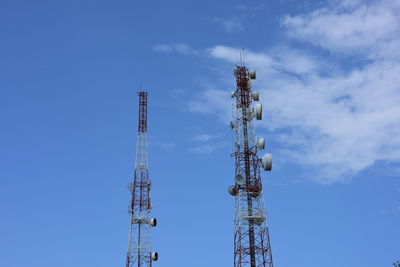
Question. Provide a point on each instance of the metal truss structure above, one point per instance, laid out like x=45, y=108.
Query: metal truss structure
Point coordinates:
x=139, y=244
x=251, y=240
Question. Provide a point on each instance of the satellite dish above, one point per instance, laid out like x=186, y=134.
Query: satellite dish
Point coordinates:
x=256, y=95
x=249, y=84
x=266, y=162
x=239, y=179
x=154, y=256
x=232, y=190
x=232, y=94
x=261, y=143
x=259, y=111
x=153, y=222
x=252, y=74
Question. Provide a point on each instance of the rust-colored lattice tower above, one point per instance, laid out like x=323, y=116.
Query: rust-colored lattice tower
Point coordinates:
x=139, y=245
x=251, y=240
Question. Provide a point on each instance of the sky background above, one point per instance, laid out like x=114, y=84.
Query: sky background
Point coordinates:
x=329, y=79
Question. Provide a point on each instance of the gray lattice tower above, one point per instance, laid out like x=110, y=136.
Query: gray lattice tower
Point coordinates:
x=251, y=240
x=139, y=244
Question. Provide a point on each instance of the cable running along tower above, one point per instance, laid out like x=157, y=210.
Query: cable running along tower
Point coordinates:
x=139, y=245
x=251, y=240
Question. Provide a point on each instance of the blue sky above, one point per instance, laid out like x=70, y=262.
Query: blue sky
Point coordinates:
x=328, y=73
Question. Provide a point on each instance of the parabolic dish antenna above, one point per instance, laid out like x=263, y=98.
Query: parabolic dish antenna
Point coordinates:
x=239, y=179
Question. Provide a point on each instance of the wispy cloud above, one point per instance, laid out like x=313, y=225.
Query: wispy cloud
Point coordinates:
x=232, y=55
x=352, y=27
x=393, y=210
x=208, y=148
x=181, y=48
x=212, y=102
x=236, y=23
x=165, y=145
x=250, y=8
x=282, y=59
x=232, y=24
x=207, y=143
x=205, y=137
x=334, y=119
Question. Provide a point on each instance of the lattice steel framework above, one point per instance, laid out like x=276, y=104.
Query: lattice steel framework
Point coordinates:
x=139, y=244
x=251, y=239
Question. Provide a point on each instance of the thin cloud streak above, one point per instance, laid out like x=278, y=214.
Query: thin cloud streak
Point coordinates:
x=205, y=137
x=232, y=24
x=236, y=23
x=180, y=48
x=209, y=148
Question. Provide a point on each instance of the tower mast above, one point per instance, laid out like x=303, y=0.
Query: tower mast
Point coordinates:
x=251, y=239
x=139, y=244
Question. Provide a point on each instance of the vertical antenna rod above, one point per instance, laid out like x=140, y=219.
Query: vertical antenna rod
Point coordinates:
x=251, y=240
x=139, y=244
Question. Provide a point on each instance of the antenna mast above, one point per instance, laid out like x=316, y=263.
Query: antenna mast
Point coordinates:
x=251, y=240
x=139, y=244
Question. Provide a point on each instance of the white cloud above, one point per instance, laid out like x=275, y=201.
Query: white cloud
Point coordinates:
x=212, y=102
x=372, y=28
x=181, y=48
x=232, y=55
x=347, y=3
x=283, y=59
x=165, y=145
x=163, y=48
x=232, y=24
x=338, y=120
x=204, y=137
x=250, y=9
x=207, y=143
x=208, y=148
x=393, y=210
x=236, y=23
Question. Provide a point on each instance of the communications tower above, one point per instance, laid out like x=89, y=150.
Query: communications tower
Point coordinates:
x=139, y=244
x=251, y=240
